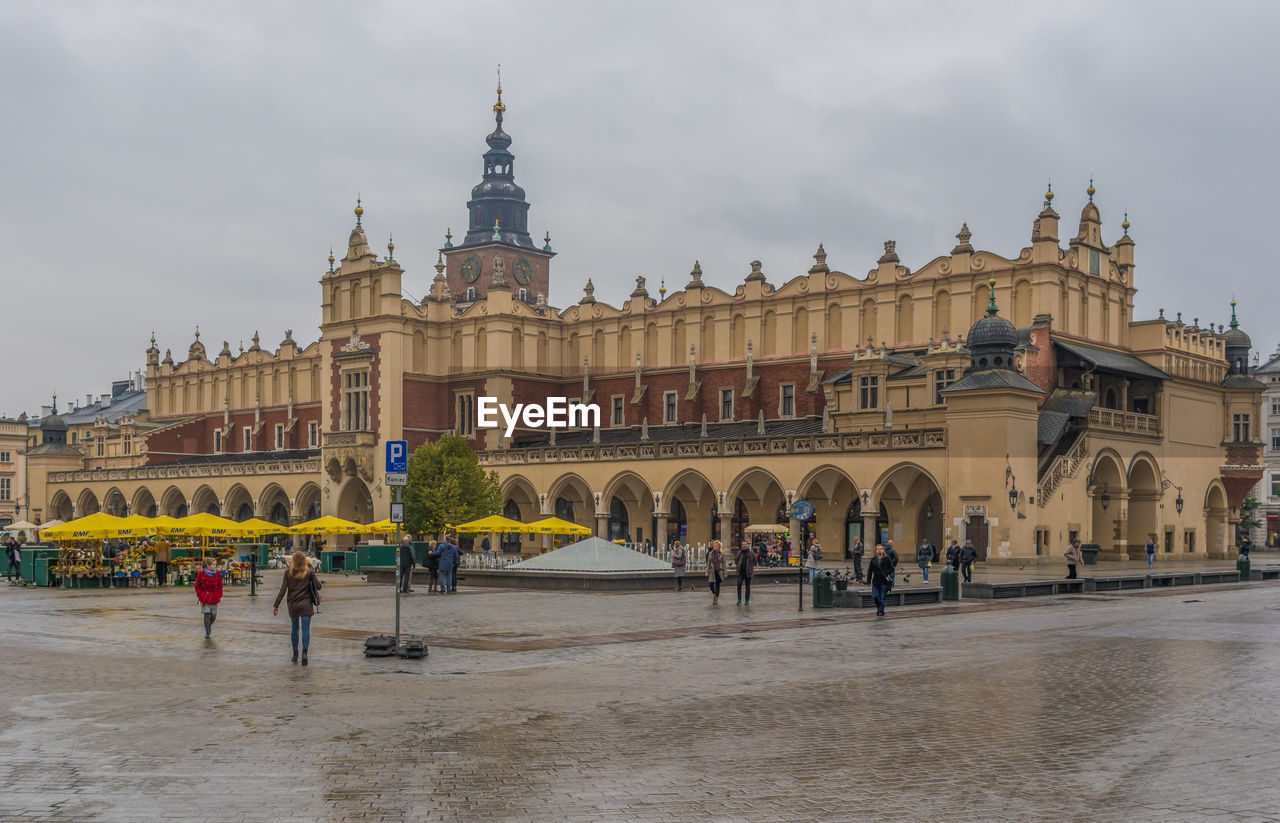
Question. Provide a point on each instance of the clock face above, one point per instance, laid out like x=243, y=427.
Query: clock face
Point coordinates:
x=471, y=268
x=523, y=270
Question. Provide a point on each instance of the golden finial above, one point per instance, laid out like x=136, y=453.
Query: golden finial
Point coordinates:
x=498, y=108
x=331, y=258
x=391, y=248
x=1048, y=195
x=359, y=211
x=1089, y=191
x=1125, y=224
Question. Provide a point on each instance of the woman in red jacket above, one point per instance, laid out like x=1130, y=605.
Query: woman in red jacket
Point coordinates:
x=209, y=593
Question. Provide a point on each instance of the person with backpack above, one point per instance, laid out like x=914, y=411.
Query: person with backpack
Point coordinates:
x=300, y=589
x=746, y=570
x=209, y=592
x=968, y=555
x=1151, y=551
x=924, y=558
x=679, y=559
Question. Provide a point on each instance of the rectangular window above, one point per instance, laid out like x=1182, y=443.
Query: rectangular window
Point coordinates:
x=1095, y=262
x=247, y=434
x=355, y=400
x=1275, y=438
x=1275, y=407
x=102, y=445
x=618, y=411
x=1240, y=428
x=787, y=400
x=6, y=488
x=1168, y=541
x=669, y=406
x=279, y=436
x=941, y=379
x=869, y=392
x=465, y=425
x=313, y=435
x=128, y=444
x=73, y=438
x=1275, y=486
x=6, y=457
x=217, y=441
x=726, y=404
x=1189, y=540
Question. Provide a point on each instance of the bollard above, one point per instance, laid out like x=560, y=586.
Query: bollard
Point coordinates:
x=253, y=572
x=1242, y=566
x=950, y=583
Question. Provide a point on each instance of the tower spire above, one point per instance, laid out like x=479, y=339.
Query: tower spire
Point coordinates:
x=1235, y=324
x=498, y=108
x=992, y=308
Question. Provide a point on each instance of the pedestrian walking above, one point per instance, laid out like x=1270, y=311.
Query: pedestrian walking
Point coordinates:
x=953, y=555
x=1151, y=551
x=163, y=556
x=447, y=561
x=406, y=564
x=300, y=589
x=880, y=576
x=746, y=570
x=1074, y=558
x=432, y=564
x=484, y=547
x=858, y=551
x=457, y=561
x=968, y=554
x=1246, y=546
x=811, y=563
x=13, y=553
x=924, y=558
x=209, y=593
x=892, y=553
x=679, y=559
x=715, y=571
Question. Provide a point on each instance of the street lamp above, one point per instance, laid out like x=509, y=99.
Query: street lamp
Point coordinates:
x=1106, y=496
x=1011, y=482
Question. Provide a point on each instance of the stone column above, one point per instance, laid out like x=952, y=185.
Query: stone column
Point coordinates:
x=869, y=536
x=602, y=525
x=660, y=539
x=797, y=529
x=726, y=529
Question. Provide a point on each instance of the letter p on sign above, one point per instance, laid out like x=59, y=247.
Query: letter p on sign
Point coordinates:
x=397, y=456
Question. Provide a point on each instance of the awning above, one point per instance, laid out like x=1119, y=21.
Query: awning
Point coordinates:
x=1112, y=361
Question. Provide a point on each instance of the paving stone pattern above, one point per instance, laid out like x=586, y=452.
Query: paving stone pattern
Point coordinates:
x=539, y=706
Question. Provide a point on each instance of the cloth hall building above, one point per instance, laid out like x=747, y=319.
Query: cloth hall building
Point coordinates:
x=1010, y=399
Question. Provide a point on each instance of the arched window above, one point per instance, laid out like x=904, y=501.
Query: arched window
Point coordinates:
x=510, y=541
x=564, y=510
x=619, y=523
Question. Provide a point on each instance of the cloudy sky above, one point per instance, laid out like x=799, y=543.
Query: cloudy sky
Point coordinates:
x=172, y=164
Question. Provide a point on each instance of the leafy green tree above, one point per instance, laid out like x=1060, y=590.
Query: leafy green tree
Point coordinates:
x=447, y=486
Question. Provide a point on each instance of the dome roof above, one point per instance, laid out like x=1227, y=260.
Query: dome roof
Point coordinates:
x=1235, y=338
x=53, y=423
x=993, y=330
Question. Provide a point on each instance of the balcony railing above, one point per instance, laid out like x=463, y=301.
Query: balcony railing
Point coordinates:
x=1123, y=421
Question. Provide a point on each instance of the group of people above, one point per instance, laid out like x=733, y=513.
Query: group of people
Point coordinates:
x=441, y=564
x=299, y=588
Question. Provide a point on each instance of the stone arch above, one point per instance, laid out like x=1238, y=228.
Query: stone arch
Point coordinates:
x=629, y=501
x=205, y=500
x=867, y=323
x=87, y=503
x=238, y=503
x=650, y=346
x=482, y=349
x=679, y=341
x=1022, y=313
x=835, y=327
x=570, y=498
x=597, y=350
x=912, y=498
x=1145, y=491
x=520, y=502
x=738, y=337
x=355, y=502
x=689, y=500
x=114, y=502
x=800, y=331
x=755, y=497
x=419, y=351
x=832, y=492
x=143, y=502
x=174, y=503
x=624, y=349
x=769, y=334
x=941, y=314
x=1107, y=485
x=1217, y=537
x=60, y=507
x=306, y=505
x=707, y=351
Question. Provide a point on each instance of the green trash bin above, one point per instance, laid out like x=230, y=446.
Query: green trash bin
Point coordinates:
x=823, y=590
x=1242, y=566
x=950, y=583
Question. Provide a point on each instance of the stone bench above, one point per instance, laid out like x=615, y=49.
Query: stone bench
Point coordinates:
x=1025, y=588
x=901, y=596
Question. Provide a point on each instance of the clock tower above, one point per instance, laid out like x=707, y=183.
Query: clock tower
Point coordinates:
x=497, y=232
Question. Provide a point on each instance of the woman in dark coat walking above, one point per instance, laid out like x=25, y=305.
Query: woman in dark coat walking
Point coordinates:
x=297, y=586
x=880, y=576
x=715, y=571
x=746, y=570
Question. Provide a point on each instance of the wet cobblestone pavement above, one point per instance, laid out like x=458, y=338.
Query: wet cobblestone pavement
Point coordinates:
x=536, y=706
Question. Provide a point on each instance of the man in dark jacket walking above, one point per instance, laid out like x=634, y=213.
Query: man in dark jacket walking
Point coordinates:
x=857, y=552
x=13, y=554
x=968, y=555
x=406, y=564
x=953, y=555
x=880, y=576
x=892, y=554
x=432, y=564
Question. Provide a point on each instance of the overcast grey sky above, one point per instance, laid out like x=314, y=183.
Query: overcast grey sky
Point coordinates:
x=170, y=164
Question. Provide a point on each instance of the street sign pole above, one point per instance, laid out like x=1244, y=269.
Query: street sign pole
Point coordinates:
x=397, y=468
x=398, y=565
x=801, y=510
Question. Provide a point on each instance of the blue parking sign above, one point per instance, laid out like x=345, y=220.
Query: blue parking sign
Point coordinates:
x=397, y=455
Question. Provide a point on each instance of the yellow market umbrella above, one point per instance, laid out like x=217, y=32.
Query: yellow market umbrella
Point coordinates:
x=327, y=525
x=554, y=525
x=135, y=525
x=204, y=525
x=493, y=523
x=384, y=526
x=253, y=527
x=93, y=526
